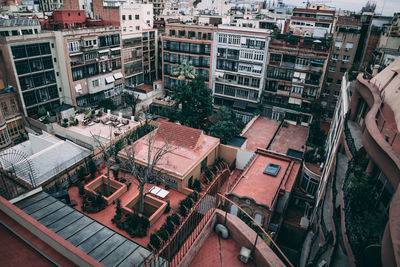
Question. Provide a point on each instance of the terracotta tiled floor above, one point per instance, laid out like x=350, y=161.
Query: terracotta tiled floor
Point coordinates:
x=211, y=254
x=108, y=213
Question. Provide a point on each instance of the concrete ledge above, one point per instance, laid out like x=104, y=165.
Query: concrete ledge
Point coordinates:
x=118, y=187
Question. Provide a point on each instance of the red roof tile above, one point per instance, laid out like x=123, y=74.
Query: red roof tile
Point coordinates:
x=179, y=135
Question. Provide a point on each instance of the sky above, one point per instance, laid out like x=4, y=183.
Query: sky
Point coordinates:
x=389, y=6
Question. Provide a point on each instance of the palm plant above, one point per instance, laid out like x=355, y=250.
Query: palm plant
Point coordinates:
x=184, y=71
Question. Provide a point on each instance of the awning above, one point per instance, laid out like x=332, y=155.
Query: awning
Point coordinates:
x=295, y=101
x=104, y=51
x=117, y=75
x=109, y=79
x=78, y=88
x=115, y=48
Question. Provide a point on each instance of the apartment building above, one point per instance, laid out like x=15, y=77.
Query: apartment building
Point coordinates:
x=90, y=57
x=139, y=44
x=296, y=68
x=32, y=68
x=94, y=66
x=186, y=43
x=239, y=64
x=345, y=42
x=312, y=22
x=158, y=6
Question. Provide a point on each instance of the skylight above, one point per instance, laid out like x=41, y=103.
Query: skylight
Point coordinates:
x=272, y=169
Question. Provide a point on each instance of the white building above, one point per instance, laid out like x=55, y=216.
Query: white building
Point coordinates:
x=239, y=68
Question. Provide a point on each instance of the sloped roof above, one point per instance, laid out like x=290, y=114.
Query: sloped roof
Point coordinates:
x=179, y=135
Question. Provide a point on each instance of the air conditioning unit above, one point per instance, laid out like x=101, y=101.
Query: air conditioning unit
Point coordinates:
x=245, y=255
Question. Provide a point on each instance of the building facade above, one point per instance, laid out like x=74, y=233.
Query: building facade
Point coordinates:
x=362, y=143
x=94, y=65
x=11, y=125
x=186, y=43
x=341, y=59
x=296, y=68
x=33, y=70
x=239, y=64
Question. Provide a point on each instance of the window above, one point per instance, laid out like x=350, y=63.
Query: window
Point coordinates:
x=346, y=58
x=336, y=93
x=338, y=44
x=203, y=164
x=343, y=69
x=13, y=105
x=95, y=83
x=335, y=56
x=332, y=68
x=4, y=108
x=73, y=46
x=349, y=46
x=130, y=17
x=272, y=169
x=138, y=28
x=309, y=185
x=339, y=82
x=329, y=80
x=297, y=89
x=123, y=17
x=136, y=17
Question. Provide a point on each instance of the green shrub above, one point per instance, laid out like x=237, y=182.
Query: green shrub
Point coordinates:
x=155, y=241
x=197, y=185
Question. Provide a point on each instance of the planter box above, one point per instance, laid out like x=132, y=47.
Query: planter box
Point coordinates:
x=153, y=207
x=99, y=185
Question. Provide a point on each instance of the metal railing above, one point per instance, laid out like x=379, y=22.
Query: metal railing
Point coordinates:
x=175, y=249
x=180, y=242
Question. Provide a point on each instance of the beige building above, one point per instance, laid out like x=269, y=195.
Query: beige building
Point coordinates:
x=190, y=151
x=93, y=66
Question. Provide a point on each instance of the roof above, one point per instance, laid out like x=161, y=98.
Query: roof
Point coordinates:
x=187, y=147
x=47, y=155
x=306, y=10
x=92, y=237
x=145, y=87
x=290, y=137
x=179, y=135
x=264, y=188
x=260, y=133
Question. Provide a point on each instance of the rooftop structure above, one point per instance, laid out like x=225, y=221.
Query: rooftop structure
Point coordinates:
x=309, y=22
x=190, y=151
x=103, y=128
x=41, y=158
x=258, y=188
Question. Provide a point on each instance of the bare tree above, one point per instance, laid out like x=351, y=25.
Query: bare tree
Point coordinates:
x=108, y=153
x=154, y=155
